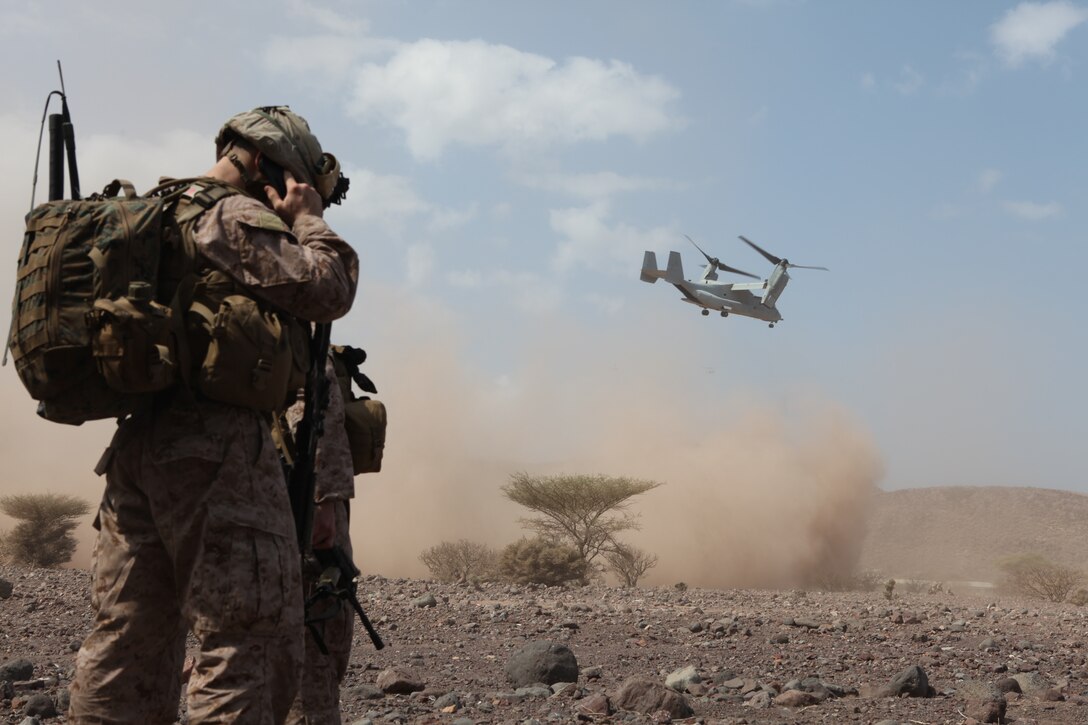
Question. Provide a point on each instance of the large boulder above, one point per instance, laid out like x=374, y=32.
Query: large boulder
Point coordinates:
x=542, y=661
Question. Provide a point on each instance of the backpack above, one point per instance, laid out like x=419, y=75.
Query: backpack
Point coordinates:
x=111, y=305
x=87, y=265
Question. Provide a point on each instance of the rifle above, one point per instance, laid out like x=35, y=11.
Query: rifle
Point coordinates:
x=338, y=575
x=337, y=566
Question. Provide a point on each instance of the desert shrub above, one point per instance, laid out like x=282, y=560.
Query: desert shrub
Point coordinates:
x=629, y=564
x=460, y=560
x=542, y=561
x=43, y=536
x=1036, y=576
x=1079, y=597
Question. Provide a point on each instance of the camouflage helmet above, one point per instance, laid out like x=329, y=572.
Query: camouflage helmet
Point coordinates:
x=284, y=137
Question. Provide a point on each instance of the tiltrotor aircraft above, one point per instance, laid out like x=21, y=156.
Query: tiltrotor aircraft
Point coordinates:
x=739, y=298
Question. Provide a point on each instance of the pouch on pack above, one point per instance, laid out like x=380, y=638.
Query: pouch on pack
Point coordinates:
x=364, y=418
x=254, y=358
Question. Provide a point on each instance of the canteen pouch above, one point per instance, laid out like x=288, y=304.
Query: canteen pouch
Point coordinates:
x=132, y=342
x=248, y=361
x=365, y=420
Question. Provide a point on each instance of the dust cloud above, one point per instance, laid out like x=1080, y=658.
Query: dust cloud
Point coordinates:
x=757, y=492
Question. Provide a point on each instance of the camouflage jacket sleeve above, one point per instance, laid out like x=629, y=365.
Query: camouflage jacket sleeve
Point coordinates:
x=334, y=475
x=308, y=271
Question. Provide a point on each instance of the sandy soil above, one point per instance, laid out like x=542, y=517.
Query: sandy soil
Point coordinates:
x=741, y=642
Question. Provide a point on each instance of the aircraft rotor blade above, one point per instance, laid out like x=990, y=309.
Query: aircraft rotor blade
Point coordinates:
x=709, y=259
x=804, y=266
x=727, y=268
x=766, y=255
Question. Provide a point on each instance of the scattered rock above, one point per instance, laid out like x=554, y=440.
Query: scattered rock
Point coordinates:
x=1031, y=682
x=987, y=711
x=597, y=704
x=425, y=602
x=542, y=661
x=796, y=698
x=680, y=680
x=394, y=681
x=40, y=705
x=363, y=692
x=16, y=670
x=647, y=697
x=6, y=589
x=911, y=682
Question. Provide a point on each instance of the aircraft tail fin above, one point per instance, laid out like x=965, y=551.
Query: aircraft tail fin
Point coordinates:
x=674, y=273
x=650, y=272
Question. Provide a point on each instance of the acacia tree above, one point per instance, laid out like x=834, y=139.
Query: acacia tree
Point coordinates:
x=43, y=536
x=586, y=511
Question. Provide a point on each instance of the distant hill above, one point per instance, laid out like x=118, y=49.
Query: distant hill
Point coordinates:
x=959, y=533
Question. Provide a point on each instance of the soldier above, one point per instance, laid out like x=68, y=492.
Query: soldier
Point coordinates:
x=318, y=701
x=195, y=528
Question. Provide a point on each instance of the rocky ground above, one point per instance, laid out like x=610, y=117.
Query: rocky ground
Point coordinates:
x=642, y=655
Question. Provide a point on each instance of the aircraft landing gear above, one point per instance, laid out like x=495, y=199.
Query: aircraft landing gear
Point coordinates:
x=771, y=325
x=706, y=312
x=725, y=313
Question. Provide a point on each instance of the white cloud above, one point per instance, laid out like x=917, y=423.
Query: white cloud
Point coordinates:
x=384, y=200
x=177, y=153
x=529, y=291
x=910, y=81
x=1032, y=30
x=446, y=219
x=988, y=179
x=588, y=239
x=419, y=264
x=465, y=278
x=326, y=18
x=868, y=82
x=474, y=93
x=600, y=185
x=1033, y=210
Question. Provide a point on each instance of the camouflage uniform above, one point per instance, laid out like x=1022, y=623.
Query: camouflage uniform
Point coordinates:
x=195, y=528
x=318, y=701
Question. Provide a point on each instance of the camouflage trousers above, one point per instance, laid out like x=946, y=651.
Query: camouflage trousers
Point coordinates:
x=318, y=701
x=195, y=533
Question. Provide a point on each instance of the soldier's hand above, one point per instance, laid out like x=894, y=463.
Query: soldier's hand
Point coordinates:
x=301, y=199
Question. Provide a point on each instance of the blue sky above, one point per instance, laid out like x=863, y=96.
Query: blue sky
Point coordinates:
x=511, y=161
